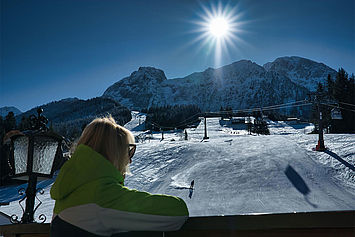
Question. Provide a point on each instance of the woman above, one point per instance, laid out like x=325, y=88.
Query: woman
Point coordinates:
x=89, y=194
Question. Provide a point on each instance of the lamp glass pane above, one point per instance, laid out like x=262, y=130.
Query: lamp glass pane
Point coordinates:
x=44, y=152
x=21, y=154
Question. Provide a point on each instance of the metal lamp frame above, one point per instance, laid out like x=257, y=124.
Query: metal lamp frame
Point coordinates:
x=40, y=130
x=31, y=135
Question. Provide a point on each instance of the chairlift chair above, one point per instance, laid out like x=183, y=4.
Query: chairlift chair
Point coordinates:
x=336, y=114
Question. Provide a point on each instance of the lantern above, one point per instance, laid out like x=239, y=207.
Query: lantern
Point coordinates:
x=33, y=155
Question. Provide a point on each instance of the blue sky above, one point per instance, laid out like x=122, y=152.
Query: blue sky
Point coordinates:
x=51, y=50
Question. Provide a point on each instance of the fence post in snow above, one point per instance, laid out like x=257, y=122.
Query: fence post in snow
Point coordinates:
x=205, y=137
x=320, y=146
x=162, y=134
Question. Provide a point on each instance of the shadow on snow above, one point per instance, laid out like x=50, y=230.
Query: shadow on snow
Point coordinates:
x=332, y=154
x=298, y=183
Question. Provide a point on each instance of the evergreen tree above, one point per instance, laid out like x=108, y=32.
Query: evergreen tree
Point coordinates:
x=344, y=93
x=330, y=87
x=2, y=129
x=351, y=89
x=351, y=100
x=25, y=123
x=169, y=117
x=10, y=122
x=340, y=85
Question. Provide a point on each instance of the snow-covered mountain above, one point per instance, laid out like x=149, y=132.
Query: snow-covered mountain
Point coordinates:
x=240, y=85
x=301, y=71
x=5, y=110
x=137, y=90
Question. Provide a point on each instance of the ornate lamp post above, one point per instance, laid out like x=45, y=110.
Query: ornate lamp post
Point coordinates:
x=33, y=154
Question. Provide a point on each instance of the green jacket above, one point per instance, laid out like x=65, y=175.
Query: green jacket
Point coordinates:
x=89, y=193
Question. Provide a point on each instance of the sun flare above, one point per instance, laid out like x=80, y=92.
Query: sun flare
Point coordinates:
x=219, y=28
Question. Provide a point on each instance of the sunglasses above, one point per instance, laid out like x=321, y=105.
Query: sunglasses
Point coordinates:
x=131, y=150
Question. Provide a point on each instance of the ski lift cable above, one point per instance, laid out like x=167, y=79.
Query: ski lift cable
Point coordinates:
x=290, y=103
x=273, y=108
x=333, y=106
x=189, y=118
x=267, y=108
x=182, y=123
x=157, y=125
x=263, y=108
x=160, y=126
x=285, y=107
x=255, y=109
x=260, y=108
x=166, y=127
x=346, y=104
x=289, y=106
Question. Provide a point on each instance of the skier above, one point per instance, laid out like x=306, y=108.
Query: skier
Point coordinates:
x=191, y=188
x=192, y=184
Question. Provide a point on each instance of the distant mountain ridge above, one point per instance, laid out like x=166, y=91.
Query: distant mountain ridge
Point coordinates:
x=240, y=85
x=69, y=116
x=6, y=109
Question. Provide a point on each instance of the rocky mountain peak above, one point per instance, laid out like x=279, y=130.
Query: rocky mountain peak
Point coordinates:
x=148, y=74
x=291, y=63
x=245, y=65
x=239, y=70
x=242, y=84
x=302, y=71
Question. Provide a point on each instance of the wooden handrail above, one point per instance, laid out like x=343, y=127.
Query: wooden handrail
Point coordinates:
x=330, y=223
x=333, y=219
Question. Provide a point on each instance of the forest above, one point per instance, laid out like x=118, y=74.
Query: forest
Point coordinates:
x=337, y=95
x=170, y=117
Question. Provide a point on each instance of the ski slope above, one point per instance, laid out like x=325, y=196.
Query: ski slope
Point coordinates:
x=236, y=173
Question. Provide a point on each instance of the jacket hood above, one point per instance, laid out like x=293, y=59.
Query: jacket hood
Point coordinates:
x=85, y=165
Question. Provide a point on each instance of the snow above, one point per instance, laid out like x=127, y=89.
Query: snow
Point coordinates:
x=236, y=173
x=137, y=122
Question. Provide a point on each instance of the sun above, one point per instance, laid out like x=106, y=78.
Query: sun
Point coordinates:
x=219, y=27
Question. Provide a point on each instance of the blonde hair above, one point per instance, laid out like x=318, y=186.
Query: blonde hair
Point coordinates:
x=109, y=139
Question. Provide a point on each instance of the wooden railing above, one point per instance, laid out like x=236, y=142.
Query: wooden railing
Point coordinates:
x=324, y=224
